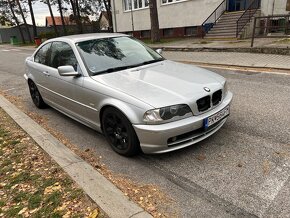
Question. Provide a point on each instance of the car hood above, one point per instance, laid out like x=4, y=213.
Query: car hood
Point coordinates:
x=163, y=83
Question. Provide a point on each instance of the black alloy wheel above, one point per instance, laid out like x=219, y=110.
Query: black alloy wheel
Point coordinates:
x=35, y=95
x=119, y=132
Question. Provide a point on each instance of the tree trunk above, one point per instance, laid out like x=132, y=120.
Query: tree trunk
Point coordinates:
x=32, y=19
x=155, y=35
x=61, y=15
x=79, y=22
x=108, y=7
x=73, y=8
x=24, y=20
x=52, y=17
x=16, y=21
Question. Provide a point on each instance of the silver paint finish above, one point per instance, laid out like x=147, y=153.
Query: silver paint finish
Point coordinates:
x=133, y=91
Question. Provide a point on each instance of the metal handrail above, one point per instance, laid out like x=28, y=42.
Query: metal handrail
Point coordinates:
x=216, y=16
x=248, y=14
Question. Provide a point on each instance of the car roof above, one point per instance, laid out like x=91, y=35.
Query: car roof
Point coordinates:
x=91, y=36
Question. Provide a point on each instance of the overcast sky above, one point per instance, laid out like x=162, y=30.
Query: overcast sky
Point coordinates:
x=40, y=12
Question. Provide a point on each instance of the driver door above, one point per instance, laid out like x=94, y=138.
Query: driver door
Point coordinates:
x=64, y=89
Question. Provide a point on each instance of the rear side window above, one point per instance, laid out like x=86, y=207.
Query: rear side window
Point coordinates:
x=42, y=56
x=62, y=55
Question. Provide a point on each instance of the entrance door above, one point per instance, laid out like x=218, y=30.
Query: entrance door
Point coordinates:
x=237, y=5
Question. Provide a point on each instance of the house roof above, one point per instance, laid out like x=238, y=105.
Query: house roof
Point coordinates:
x=58, y=22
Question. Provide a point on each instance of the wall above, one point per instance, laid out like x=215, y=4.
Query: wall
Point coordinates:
x=6, y=33
x=273, y=7
x=181, y=14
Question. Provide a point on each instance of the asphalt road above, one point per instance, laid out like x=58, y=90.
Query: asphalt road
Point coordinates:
x=242, y=170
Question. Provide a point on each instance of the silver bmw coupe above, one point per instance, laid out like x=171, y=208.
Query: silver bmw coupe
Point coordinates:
x=116, y=85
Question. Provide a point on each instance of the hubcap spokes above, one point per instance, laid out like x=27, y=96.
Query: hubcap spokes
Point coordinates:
x=34, y=93
x=116, y=131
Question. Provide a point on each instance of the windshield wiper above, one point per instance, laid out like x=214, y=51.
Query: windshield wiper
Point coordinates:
x=150, y=62
x=114, y=69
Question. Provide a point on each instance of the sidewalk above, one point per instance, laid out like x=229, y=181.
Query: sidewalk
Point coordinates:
x=261, y=45
x=108, y=197
x=281, y=62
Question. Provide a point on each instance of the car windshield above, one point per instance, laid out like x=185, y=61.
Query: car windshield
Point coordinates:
x=112, y=54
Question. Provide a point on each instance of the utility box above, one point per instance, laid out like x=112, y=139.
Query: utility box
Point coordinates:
x=13, y=40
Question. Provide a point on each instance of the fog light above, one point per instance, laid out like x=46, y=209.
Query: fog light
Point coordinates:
x=173, y=139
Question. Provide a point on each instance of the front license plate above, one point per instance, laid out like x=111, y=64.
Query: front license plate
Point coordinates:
x=209, y=121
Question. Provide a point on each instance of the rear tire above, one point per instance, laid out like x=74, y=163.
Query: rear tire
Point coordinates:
x=119, y=132
x=35, y=95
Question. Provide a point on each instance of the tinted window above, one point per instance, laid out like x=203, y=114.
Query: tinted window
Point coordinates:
x=62, y=55
x=42, y=56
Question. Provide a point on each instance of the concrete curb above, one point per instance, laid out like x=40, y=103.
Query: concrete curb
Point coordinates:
x=234, y=66
x=261, y=50
x=102, y=191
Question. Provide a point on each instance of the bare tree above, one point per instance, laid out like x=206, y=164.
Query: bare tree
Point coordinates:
x=76, y=14
x=61, y=15
x=16, y=21
x=52, y=17
x=32, y=18
x=108, y=7
x=79, y=18
x=24, y=20
x=155, y=35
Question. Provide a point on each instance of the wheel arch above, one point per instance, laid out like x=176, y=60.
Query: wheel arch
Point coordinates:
x=128, y=111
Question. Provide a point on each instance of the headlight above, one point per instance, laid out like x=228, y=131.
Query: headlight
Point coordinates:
x=171, y=113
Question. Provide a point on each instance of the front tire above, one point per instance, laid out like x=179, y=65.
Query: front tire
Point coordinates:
x=119, y=132
x=35, y=95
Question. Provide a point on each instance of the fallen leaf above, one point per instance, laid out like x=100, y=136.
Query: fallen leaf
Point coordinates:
x=22, y=211
x=53, y=188
x=201, y=157
x=94, y=214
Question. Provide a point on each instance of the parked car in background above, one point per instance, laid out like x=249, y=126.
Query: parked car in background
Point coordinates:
x=116, y=85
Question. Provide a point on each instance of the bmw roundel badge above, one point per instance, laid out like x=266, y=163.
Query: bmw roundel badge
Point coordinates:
x=206, y=89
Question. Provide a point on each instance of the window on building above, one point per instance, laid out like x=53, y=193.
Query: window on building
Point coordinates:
x=135, y=4
x=168, y=32
x=171, y=1
x=145, y=34
x=190, y=31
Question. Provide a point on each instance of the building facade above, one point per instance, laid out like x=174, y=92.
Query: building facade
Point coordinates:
x=178, y=18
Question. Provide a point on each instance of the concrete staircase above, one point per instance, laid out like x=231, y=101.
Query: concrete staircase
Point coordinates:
x=225, y=27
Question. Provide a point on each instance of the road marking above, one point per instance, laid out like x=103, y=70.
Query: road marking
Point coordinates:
x=5, y=50
x=277, y=73
x=273, y=184
x=15, y=49
x=7, y=90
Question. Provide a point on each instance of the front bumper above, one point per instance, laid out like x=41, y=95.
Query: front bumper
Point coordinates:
x=155, y=138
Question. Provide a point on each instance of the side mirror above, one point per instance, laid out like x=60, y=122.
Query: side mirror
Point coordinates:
x=159, y=51
x=67, y=71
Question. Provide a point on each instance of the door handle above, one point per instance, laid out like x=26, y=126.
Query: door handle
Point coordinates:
x=46, y=73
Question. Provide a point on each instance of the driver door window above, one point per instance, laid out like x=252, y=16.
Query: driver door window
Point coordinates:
x=62, y=55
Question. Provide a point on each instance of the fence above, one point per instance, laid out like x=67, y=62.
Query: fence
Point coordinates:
x=247, y=15
x=276, y=26
x=214, y=16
